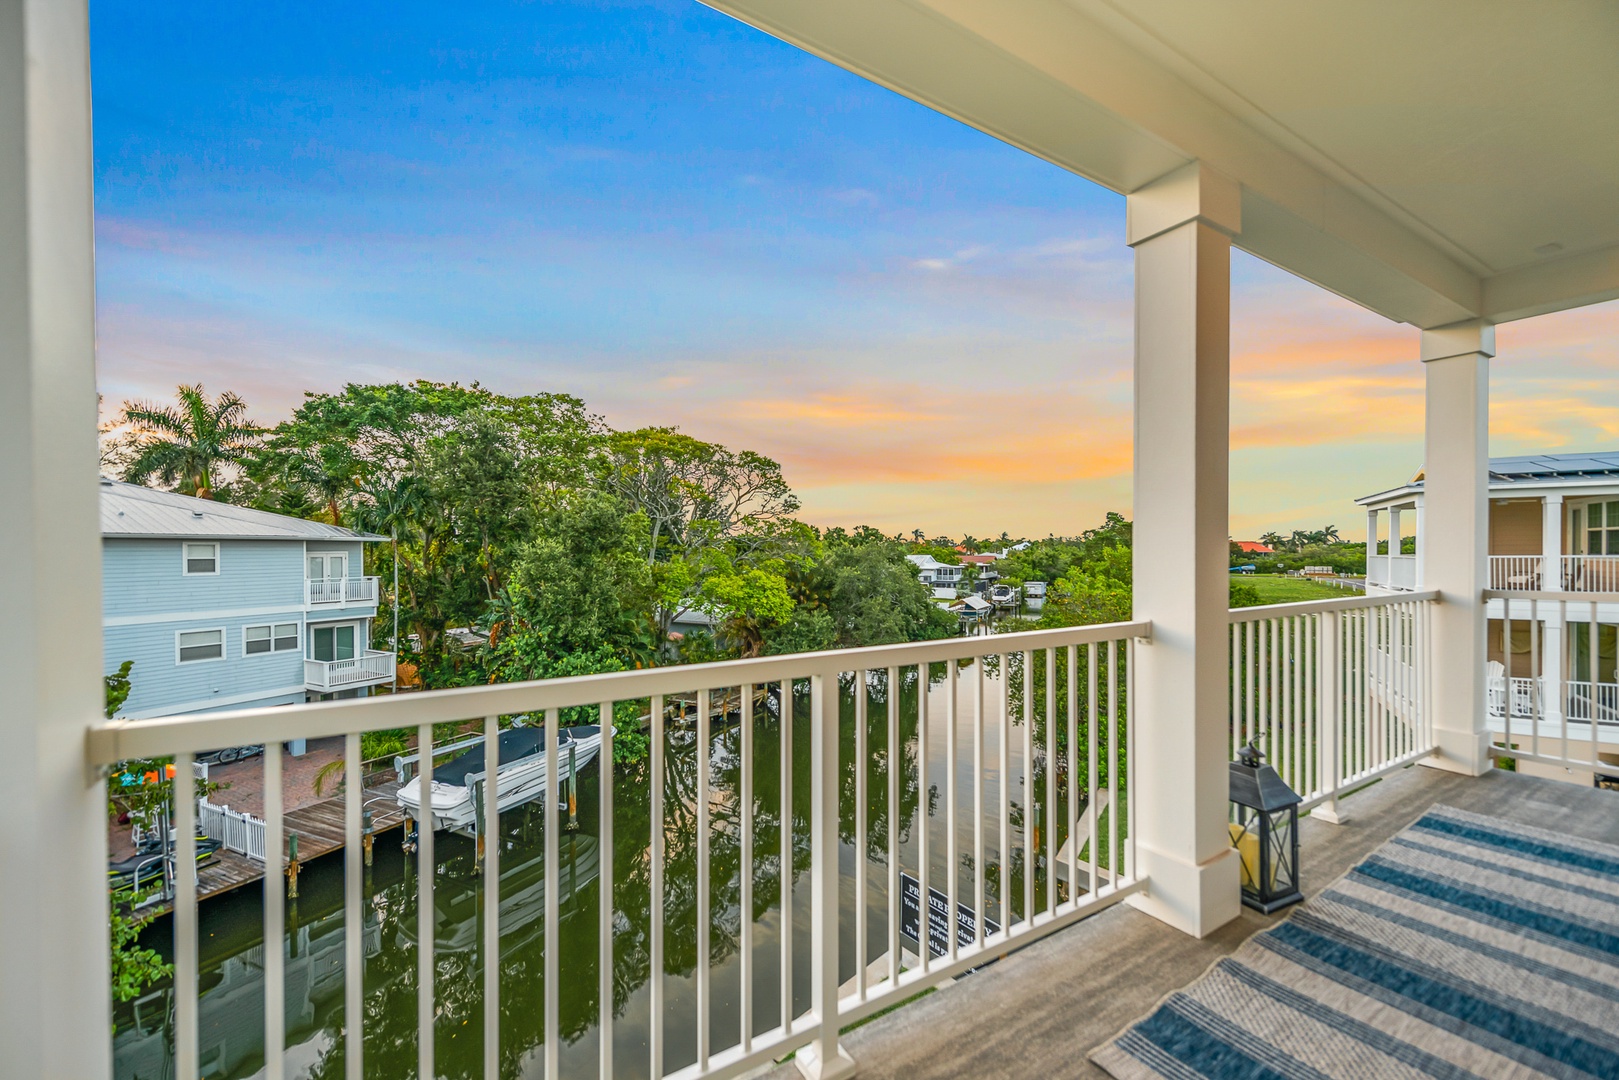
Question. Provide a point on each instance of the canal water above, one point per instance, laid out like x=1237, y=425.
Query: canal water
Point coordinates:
x=231, y=947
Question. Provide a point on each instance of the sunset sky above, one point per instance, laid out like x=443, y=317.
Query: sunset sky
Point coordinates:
x=686, y=222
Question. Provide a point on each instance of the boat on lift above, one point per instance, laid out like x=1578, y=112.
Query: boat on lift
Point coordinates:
x=521, y=775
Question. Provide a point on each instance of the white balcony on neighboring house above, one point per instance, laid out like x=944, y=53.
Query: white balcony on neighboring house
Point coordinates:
x=341, y=592
x=1392, y=573
x=369, y=669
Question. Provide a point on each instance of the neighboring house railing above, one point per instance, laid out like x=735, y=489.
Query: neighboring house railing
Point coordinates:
x=1565, y=573
x=238, y=832
x=1547, y=716
x=371, y=667
x=1392, y=572
x=1334, y=692
x=1014, y=750
x=360, y=590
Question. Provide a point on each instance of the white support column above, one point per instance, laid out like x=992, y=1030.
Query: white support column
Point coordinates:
x=1180, y=227
x=1457, y=517
x=54, y=1019
x=1551, y=544
x=1371, y=547
x=1394, y=540
x=1422, y=551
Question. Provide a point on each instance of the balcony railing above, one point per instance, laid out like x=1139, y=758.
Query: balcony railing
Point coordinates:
x=335, y=591
x=984, y=781
x=1559, y=573
x=1535, y=710
x=366, y=670
x=1334, y=692
x=1392, y=572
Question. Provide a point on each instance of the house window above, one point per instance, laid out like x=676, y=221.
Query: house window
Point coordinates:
x=194, y=645
x=201, y=558
x=1602, y=529
x=281, y=637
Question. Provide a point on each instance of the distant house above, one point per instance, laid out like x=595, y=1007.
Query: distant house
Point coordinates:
x=1254, y=547
x=935, y=574
x=221, y=607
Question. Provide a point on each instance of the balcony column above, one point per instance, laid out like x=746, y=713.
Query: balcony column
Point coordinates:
x=54, y=1015
x=1420, y=580
x=1456, y=360
x=1551, y=543
x=1394, y=540
x=1371, y=546
x=1180, y=227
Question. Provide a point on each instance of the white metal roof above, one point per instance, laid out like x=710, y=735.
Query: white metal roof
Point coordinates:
x=129, y=510
x=1529, y=470
x=1431, y=160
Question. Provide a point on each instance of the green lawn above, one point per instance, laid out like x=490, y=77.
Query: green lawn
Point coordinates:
x=1277, y=589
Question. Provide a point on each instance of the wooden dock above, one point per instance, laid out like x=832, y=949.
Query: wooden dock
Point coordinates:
x=319, y=827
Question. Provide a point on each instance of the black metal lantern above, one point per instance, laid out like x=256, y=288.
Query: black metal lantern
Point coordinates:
x=1265, y=832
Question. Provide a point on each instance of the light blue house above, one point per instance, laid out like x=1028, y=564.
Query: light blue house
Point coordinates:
x=221, y=607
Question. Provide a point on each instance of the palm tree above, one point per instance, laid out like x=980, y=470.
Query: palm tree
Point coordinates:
x=184, y=445
x=1329, y=535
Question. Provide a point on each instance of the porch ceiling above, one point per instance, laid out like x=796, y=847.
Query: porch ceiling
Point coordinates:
x=1428, y=166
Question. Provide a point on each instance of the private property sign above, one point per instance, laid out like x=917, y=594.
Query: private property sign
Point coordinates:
x=910, y=917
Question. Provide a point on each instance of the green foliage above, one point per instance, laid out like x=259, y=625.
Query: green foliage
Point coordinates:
x=582, y=584
x=1097, y=590
x=117, y=688
x=1245, y=595
x=134, y=968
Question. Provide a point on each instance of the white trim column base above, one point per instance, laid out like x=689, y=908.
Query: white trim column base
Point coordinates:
x=1196, y=899
x=809, y=1064
x=1462, y=752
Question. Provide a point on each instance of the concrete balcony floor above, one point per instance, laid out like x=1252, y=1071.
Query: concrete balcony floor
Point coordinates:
x=1040, y=1011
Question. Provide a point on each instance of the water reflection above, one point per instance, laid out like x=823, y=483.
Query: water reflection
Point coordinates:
x=231, y=975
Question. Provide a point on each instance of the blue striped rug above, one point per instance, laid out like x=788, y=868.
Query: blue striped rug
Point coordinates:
x=1466, y=946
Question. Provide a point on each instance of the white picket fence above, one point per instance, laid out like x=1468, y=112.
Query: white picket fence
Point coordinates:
x=239, y=832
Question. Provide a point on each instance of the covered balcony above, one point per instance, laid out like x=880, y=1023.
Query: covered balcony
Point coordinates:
x=341, y=592
x=864, y=826
x=370, y=668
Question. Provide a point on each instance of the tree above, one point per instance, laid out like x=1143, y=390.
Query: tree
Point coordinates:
x=710, y=511
x=580, y=586
x=185, y=445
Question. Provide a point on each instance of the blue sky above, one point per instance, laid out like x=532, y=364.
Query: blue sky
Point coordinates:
x=683, y=221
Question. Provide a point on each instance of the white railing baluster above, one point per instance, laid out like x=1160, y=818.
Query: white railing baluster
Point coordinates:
x=952, y=924
x=185, y=919
x=1114, y=865
x=746, y=922
x=604, y=912
x=275, y=919
x=1004, y=764
x=924, y=823
x=553, y=949
x=426, y=871
x=862, y=766
x=824, y=870
x=655, y=857
x=353, y=927
x=980, y=911
x=1028, y=789
x=896, y=758
x=704, y=747
x=491, y=839
x=1049, y=804
x=786, y=725
x=1093, y=724
x=1071, y=805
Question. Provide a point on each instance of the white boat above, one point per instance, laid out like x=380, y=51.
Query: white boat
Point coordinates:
x=521, y=775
